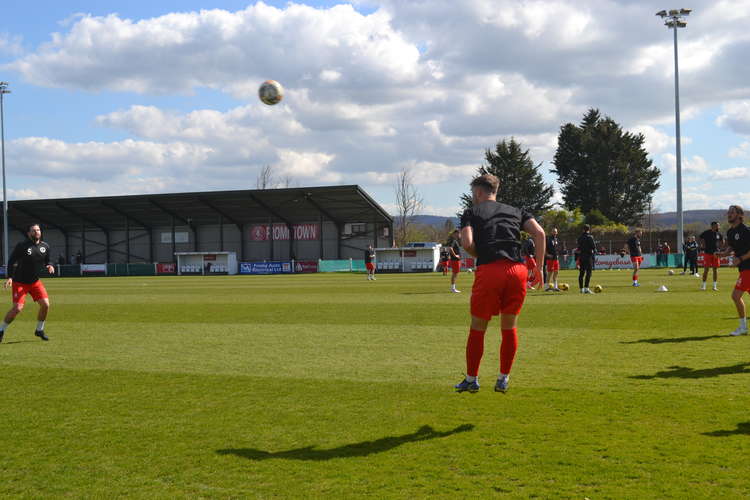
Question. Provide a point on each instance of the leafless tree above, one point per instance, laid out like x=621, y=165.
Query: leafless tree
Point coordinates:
x=408, y=203
x=265, y=178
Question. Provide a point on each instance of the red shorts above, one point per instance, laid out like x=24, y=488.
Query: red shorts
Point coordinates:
x=456, y=266
x=637, y=260
x=444, y=264
x=370, y=266
x=710, y=260
x=553, y=265
x=499, y=287
x=743, y=282
x=36, y=290
x=530, y=263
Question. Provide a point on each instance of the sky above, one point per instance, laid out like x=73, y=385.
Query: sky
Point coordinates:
x=111, y=98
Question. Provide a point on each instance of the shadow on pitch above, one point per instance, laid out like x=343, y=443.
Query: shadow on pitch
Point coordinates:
x=361, y=449
x=674, y=340
x=685, y=372
x=17, y=342
x=742, y=428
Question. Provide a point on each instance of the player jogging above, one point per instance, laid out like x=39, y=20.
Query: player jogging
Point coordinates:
x=636, y=255
x=553, y=261
x=370, y=263
x=490, y=231
x=454, y=251
x=738, y=241
x=444, y=259
x=586, y=250
x=24, y=265
x=711, y=239
x=690, y=248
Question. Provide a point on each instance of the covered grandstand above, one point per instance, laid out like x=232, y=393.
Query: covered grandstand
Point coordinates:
x=335, y=222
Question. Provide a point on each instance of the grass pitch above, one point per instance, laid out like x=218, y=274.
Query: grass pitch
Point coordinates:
x=330, y=386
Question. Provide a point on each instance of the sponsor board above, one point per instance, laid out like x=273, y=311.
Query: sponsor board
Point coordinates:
x=615, y=261
x=265, y=267
x=306, y=266
x=723, y=261
x=166, y=268
x=94, y=268
x=280, y=232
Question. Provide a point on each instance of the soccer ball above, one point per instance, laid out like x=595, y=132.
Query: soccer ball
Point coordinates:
x=564, y=287
x=598, y=289
x=271, y=92
x=670, y=272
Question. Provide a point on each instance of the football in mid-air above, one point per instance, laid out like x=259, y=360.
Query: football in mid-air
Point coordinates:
x=598, y=289
x=564, y=287
x=271, y=92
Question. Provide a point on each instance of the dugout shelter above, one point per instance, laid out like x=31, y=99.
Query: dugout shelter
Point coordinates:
x=309, y=223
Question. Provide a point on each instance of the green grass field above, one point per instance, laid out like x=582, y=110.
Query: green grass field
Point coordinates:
x=330, y=386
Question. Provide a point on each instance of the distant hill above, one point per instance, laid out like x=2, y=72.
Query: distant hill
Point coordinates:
x=661, y=220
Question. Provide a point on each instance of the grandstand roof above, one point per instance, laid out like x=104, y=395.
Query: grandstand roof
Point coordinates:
x=292, y=205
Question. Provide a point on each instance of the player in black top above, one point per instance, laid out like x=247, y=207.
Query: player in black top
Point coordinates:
x=454, y=252
x=711, y=240
x=490, y=231
x=28, y=260
x=444, y=259
x=370, y=262
x=738, y=241
x=586, y=251
x=552, y=261
x=690, y=249
x=636, y=255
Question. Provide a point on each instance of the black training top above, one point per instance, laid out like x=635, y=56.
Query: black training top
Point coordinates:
x=369, y=256
x=27, y=260
x=497, y=230
x=529, y=247
x=712, y=240
x=634, y=246
x=552, y=244
x=586, y=245
x=739, y=239
x=443, y=253
x=691, y=247
x=457, y=249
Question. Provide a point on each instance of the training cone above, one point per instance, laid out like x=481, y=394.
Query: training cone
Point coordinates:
x=662, y=289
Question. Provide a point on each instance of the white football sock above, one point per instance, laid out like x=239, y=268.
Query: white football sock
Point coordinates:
x=3, y=326
x=40, y=326
x=743, y=323
x=469, y=378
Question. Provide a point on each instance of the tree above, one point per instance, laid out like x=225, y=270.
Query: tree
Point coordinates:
x=521, y=184
x=265, y=178
x=599, y=166
x=408, y=203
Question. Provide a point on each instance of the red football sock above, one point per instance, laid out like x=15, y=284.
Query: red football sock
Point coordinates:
x=474, y=351
x=508, y=349
x=635, y=277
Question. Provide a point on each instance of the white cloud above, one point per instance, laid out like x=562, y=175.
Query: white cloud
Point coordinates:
x=736, y=173
x=736, y=117
x=741, y=151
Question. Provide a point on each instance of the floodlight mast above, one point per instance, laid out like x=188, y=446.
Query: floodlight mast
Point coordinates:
x=4, y=90
x=675, y=19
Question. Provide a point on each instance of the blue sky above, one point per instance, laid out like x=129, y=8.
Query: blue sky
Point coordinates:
x=138, y=97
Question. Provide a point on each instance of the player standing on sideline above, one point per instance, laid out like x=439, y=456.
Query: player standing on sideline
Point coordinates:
x=454, y=251
x=636, y=255
x=370, y=263
x=553, y=261
x=586, y=251
x=711, y=239
x=24, y=265
x=738, y=241
x=444, y=258
x=490, y=231
x=690, y=248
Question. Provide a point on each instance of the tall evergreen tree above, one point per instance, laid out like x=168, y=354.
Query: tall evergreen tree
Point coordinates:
x=599, y=166
x=521, y=184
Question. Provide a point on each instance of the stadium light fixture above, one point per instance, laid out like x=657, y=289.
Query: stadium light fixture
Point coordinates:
x=4, y=90
x=675, y=19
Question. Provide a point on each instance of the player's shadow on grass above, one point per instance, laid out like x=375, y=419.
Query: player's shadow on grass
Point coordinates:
x=685, y=372
x=361, y=449
x=674, y=340
x=742, y=428
x=17, y=342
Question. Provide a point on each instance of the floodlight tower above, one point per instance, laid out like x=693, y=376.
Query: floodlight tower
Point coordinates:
x=676, y=19
x=4, y=90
